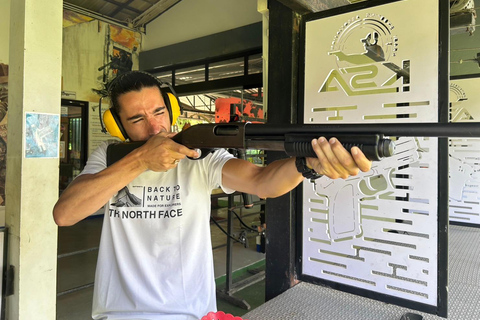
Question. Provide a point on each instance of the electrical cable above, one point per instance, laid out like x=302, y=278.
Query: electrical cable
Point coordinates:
x=104, y=130
x=241, y=221
x=225, y=232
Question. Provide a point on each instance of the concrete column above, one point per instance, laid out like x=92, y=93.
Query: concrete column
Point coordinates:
x=32, y=183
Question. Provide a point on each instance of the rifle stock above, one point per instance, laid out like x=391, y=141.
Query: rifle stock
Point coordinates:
x=295, y=140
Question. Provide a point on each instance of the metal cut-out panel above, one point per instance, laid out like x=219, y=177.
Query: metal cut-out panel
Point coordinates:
x=464, y=155
x=377, y=231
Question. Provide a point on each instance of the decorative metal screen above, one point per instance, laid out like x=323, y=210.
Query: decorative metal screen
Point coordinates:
x=464, y=155
x=377, y=231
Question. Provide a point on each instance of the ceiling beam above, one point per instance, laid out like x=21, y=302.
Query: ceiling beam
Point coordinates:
x=96, y=15
x=153, y=12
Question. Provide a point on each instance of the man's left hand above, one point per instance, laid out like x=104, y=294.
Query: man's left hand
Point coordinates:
x=334, y=161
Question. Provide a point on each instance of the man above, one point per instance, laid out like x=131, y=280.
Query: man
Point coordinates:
x=155, y=258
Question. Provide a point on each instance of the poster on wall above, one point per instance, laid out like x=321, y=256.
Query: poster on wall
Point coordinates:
x=464, y=155
x=42, y=135
x=121, y=51
x=377, y=234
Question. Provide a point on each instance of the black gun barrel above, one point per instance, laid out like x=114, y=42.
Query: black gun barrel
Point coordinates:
x=295, y=139
x=424, y=129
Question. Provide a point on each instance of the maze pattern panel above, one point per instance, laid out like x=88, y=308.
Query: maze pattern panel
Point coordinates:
x=379, y=230
x=464, y=155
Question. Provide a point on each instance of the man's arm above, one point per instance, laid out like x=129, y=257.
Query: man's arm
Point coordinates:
x=89, y=192
x=282, y=176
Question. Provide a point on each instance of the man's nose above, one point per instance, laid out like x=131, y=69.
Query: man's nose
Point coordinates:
x=153, y=126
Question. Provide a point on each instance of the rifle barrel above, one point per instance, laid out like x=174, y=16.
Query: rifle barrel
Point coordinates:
x=427, y=129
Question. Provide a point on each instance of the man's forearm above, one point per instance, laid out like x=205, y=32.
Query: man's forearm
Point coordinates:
x=89, y=192
x=271, y=181
x=280, y=177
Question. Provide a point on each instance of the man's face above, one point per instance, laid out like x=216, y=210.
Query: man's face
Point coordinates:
x=143, y=113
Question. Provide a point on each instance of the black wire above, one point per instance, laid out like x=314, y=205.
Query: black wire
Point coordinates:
x=241, y=221
x=226, y=233
x=100, y=114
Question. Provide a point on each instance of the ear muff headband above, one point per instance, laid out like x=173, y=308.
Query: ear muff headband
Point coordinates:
x=114, y=125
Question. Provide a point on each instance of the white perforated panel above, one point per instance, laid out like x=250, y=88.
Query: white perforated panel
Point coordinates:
x=464, y=160
x=377, y=231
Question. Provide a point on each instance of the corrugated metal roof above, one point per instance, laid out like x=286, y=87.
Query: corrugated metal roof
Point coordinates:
x=133, y=13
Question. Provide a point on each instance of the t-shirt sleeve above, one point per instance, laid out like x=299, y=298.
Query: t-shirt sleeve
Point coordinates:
x=215, y=163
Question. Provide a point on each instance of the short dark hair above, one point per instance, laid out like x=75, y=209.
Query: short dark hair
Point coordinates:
x=130, y=81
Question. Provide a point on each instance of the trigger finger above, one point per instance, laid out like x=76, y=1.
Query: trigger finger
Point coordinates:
x=187, y=152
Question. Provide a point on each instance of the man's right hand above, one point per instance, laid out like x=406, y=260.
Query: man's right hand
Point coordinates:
x=160, y=153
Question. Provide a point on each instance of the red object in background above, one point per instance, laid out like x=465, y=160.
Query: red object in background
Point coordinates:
x=227, y=110
x=220, y=315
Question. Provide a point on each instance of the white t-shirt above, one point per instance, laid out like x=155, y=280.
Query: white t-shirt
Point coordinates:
x=155, y=259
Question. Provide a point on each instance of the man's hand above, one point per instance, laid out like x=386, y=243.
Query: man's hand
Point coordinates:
x=161, y=153
x=334, y=161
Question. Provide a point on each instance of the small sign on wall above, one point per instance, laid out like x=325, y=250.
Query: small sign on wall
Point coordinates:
x=42, y=135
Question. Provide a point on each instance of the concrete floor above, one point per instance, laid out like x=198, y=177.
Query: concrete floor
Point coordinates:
x=78, y=249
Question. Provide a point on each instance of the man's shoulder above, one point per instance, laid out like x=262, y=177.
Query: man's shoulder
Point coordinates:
x=111, y=141
x=103, y=145
x=101, y=149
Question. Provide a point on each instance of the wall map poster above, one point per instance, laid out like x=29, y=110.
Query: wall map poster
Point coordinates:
x=377, y=231
x=42, y=135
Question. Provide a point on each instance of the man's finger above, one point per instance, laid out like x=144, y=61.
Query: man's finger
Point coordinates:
x=181, y=150
x=324, y=153
x=339, y=158
x=362, y=162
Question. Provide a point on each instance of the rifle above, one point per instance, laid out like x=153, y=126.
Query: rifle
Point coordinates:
x=295, y=140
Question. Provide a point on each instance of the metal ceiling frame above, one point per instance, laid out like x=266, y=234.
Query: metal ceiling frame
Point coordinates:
x=153, y=12
x=135, y=23
x=97, y=16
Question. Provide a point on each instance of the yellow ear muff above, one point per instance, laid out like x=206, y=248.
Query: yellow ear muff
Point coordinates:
x=175, y=109
x=113, y=126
